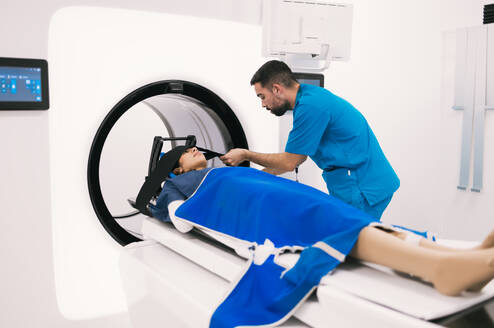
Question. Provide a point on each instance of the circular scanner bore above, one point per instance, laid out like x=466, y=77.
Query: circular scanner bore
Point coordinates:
x=119, y=154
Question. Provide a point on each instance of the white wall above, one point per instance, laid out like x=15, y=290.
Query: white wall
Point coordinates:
x=394, y=77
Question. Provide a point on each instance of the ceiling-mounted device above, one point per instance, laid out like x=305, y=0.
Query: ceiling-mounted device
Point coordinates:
x=307, y=35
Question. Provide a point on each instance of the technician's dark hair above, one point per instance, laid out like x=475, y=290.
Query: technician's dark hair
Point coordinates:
x=273, y=71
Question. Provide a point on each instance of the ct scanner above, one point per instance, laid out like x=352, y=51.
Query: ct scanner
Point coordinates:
x=177, y=280
x=184, y=108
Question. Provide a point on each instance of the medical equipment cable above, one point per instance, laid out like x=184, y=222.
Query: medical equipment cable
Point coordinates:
x=128, y=215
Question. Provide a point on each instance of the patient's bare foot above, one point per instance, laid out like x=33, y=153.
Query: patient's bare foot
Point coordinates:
x=488, y=241
x=457, y=272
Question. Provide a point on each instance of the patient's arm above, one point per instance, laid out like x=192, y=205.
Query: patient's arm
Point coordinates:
x=179, y=224
x=451, y=272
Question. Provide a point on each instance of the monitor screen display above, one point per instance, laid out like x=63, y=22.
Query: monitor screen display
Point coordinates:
x=23, y=84
x=20, y=84
x=310, y=81
x=310, y=78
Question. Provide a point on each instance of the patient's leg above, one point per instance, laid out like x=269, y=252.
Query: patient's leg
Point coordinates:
x=486, y=243
x=450, y=272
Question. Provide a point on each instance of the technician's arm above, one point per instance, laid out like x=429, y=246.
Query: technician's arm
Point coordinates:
x=272, y=171
x=279, y=163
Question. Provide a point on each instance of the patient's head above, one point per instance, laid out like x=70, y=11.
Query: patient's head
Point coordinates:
x=192, y=159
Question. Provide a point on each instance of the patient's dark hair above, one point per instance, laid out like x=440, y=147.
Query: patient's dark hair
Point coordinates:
x=273, y=71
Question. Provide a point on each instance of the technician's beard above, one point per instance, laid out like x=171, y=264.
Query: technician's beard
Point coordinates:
x=281, y=110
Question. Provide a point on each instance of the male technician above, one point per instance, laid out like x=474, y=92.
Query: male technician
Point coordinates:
x=332, y=132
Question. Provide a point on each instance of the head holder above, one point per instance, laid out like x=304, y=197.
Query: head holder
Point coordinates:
x=160, y=168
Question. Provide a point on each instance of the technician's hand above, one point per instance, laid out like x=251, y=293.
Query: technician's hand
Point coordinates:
x=234, y=157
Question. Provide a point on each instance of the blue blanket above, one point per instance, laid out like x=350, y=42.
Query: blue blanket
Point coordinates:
x=254, y=206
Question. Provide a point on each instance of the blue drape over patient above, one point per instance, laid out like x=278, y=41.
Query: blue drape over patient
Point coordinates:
x=253, y=206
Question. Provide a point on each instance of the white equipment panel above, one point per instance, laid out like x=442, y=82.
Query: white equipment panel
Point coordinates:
x=307, y=32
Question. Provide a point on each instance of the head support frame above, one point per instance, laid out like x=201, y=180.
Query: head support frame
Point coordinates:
x=159, y=169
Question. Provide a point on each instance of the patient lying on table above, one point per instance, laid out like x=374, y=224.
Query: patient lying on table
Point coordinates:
x=346, y=230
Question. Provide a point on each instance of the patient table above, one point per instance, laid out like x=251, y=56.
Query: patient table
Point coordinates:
x=173, y=279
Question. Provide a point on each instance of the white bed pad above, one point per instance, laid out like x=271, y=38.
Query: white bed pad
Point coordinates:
x=366, y=281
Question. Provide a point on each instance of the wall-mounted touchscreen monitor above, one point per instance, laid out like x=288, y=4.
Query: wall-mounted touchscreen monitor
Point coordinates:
x=23, y=84
x=310, y=78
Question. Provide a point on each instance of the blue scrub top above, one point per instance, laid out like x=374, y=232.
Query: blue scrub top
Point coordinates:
x=334, y=134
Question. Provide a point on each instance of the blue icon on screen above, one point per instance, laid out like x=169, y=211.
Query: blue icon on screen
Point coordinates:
x=13, y=86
